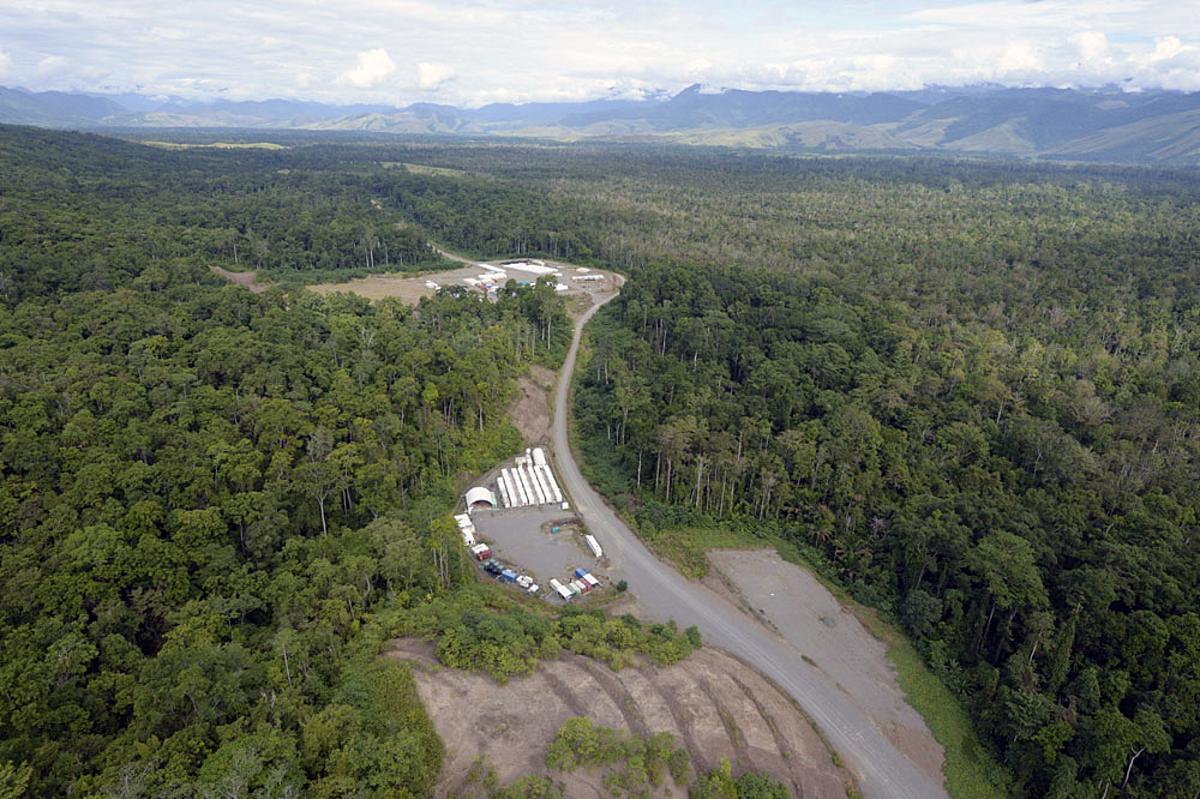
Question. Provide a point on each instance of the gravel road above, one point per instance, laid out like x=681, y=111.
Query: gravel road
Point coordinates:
x=881, y=770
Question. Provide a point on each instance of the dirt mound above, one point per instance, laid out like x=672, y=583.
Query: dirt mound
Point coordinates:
x=713, y=704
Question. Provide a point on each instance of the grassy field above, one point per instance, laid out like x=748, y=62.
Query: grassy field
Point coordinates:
x=971, y=772
x=685, y=547
x=217, y=145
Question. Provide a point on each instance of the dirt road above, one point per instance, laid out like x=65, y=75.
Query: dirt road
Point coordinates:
x=882, y=771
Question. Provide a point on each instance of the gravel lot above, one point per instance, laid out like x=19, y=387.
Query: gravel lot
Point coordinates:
x=810, y=618
x=517, y=538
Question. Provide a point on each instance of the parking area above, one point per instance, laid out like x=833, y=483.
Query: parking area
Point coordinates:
x=523, y=537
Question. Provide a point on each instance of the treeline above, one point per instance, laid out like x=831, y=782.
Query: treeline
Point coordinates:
x=1026, y=508
x=98, y=213
x=510, y=641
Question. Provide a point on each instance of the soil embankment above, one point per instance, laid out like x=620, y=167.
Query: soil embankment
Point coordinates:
x=712, y=703
x=530, y=411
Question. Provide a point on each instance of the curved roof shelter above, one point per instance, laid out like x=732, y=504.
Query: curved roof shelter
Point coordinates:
x=480, y=497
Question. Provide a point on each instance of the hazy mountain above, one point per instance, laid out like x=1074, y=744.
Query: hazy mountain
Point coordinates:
x=1100, y=124
x=55, y=109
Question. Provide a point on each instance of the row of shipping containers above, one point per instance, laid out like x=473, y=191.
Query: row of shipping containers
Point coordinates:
x=530, y=481
x=584, y=582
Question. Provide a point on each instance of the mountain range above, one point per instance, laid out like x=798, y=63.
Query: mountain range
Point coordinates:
x=1108, y=124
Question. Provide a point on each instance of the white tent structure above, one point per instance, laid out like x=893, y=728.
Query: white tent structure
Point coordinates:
x=480, y=497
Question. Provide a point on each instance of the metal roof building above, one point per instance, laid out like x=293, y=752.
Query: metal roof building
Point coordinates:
x=478, y=497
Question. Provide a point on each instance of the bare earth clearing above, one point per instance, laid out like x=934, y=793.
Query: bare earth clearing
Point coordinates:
x=407, y=288
x=798, y=607
x=713, y=704
x=411, y=288
x=243, y=279
x=530, y=411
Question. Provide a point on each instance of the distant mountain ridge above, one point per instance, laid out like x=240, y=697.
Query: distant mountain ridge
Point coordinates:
x=1153, y=127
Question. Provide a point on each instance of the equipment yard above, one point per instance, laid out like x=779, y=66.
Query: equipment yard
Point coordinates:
x=523, y=537
x=475, y=276
x=518, y=520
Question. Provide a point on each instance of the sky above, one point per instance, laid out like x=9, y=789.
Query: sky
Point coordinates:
x=471, y=53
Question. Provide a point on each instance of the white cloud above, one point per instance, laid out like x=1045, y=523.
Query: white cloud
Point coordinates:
x=1092, y=45
x=522, y=50
x=431, y=75
x=51, y=65
x=1166, y=47
x=373, y=67
x=1019, y=57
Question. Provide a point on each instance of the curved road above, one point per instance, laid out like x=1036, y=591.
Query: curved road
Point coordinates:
x=881, y=771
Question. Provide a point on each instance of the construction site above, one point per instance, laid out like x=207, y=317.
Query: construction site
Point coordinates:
x=486, y=278
x=519, y=525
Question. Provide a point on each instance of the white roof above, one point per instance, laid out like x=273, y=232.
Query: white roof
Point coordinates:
x=480, y=494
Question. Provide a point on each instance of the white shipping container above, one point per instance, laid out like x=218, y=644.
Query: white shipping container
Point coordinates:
x=594, y=545
x=503, y=491
x=590, y=580
x=468, y=538
x=514, y=483
x=462, y=519
x=541, y=479
x=534, y=499
x=543, y=489
x=561, y=589
x=555, y=494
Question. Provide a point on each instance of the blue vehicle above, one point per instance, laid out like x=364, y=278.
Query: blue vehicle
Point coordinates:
x=580, y=571
x=508, y=576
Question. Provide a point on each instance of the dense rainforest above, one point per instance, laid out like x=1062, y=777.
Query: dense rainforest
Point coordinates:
x=215, y=506
x=973, y=390
x=977, y=395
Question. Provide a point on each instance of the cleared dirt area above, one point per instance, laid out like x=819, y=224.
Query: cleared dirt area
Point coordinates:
x=407, y=288
x=712, y=703
x=530, y=411
x=243, y=279
x=411, y=288
x=795, y=604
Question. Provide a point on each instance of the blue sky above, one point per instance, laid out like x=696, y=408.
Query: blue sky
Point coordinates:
x=400, y=51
